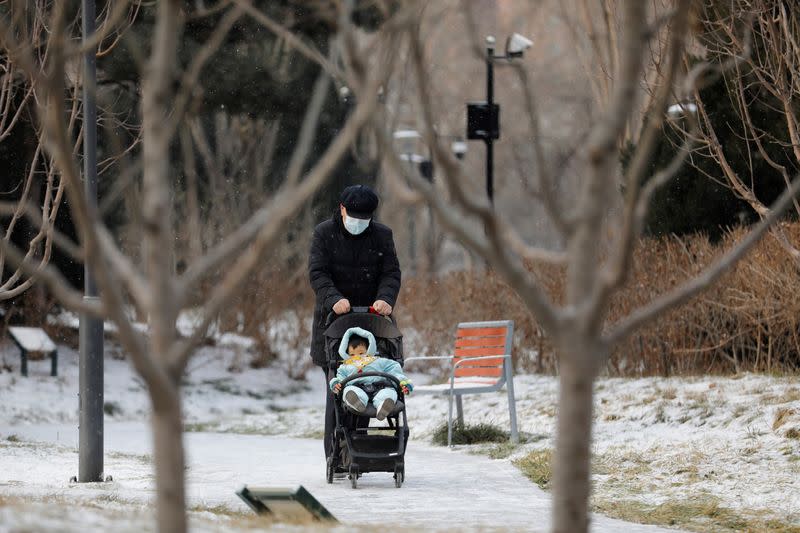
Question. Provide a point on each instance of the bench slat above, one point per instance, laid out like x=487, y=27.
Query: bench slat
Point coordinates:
x=481, y=342
x=481, y=332
x=493, y=371
x=475, y=352
x=493, y=362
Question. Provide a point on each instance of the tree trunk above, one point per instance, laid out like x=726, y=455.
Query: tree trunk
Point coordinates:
x=571, y=476
x=169, y=461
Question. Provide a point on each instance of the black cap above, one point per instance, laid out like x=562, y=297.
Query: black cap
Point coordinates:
x=359, y=200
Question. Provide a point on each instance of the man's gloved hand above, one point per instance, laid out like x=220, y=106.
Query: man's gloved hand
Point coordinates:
x=406, y=386
x=381, y=307
x=342, y=306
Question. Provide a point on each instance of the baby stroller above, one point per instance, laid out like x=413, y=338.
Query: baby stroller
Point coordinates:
x=358, y=447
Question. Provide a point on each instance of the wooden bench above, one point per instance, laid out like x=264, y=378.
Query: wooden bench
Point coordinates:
x=34, y=342
x=481, y=363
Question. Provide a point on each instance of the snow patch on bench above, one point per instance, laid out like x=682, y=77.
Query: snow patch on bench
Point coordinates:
x=32, y=339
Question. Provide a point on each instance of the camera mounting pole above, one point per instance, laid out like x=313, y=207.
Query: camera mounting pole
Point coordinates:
x=494, y=119
x=483, y=118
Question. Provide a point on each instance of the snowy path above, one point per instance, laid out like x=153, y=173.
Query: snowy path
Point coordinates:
x=442, y=489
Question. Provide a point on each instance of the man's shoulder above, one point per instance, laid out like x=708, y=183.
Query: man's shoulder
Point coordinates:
x=381, y=229
x=326, y=226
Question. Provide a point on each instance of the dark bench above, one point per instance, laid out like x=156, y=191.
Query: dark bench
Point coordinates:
x=34, y=344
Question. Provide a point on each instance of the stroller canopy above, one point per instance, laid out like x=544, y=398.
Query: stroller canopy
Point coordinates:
x=380, y=326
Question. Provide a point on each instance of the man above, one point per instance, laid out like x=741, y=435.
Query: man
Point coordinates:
x=352, y=263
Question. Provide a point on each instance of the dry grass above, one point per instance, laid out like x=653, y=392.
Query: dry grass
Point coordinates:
x=669, y=393
x=782, y=416
x=790, y=395
x=537, y=466
x=703, y=513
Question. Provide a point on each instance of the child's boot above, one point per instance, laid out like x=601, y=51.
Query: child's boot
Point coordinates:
x=353, y=401
x=386, y=407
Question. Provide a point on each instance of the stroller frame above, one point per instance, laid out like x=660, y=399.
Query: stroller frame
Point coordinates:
x=356, y=450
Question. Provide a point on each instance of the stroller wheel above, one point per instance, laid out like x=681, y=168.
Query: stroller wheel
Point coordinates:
x=399, y=476
x=329, y=470
x=354, y=476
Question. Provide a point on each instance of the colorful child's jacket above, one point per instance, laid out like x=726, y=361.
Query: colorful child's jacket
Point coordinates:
x=370, y=362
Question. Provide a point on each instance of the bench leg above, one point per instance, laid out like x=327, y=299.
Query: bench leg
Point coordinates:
x=459, y=411
x=450, y=420
x=24, y=364
x=512, y=404
x=54, y=364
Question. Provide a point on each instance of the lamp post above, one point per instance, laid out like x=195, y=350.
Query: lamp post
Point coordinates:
x=410, y=142
x=483, y=118
x=409, y=147
x=90, y=430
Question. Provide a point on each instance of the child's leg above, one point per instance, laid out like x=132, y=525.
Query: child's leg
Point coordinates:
x=384, y=402
x=386, y=392
x=356, y=398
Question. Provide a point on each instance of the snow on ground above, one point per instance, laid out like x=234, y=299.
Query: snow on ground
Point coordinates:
x=442, y=487
x=736, y=440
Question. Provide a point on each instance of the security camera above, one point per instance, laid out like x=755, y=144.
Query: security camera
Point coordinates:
x=459, y=149
x=517, y=44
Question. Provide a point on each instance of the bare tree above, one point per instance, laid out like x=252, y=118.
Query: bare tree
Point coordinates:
x=154, y=288
x=766, y=58
x=41, y=190
x=599, y=243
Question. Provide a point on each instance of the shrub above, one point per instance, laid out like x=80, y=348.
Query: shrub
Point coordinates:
x=470, y=434
x=749, y=321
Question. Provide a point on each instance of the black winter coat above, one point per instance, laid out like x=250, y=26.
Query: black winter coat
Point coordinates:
x=362, y=268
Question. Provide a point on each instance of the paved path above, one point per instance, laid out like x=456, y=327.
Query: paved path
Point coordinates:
x=442, y=489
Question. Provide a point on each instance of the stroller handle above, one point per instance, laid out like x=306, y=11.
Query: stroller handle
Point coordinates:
x=392, y=379
x=358, y=309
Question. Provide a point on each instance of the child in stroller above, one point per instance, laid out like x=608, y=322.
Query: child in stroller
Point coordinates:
x=356, y=446
x=358, y=351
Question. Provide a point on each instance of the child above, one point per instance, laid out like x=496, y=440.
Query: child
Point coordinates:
x=358, y=349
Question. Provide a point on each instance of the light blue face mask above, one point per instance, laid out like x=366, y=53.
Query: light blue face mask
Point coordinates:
x=355, y=226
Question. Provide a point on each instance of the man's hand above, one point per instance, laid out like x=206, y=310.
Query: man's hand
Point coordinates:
x=382, y=307
x=342, y=306
x=337, y=388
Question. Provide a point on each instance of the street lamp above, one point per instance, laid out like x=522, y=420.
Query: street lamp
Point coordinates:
x=90, y=373
x=483, y=118
x=409, y=143
x=681, y=109
x=410, y=147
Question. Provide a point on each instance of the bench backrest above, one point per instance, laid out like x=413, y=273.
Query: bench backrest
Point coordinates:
x=476, y=339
